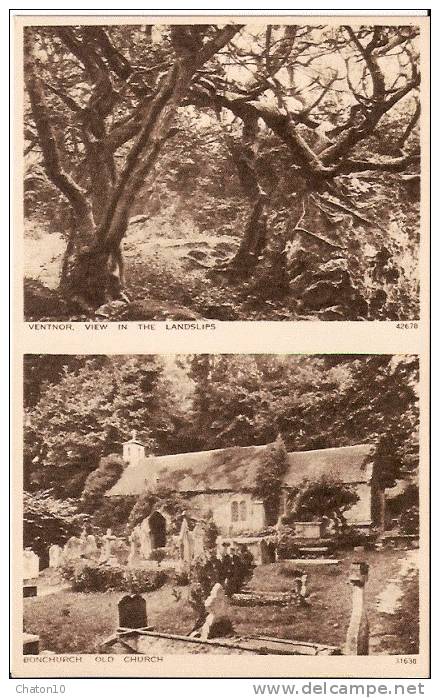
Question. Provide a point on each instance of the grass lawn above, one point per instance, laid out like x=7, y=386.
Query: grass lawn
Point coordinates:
x=75, y=622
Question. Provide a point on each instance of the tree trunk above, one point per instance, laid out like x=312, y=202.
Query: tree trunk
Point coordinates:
x=96, y=274
x=253, y=240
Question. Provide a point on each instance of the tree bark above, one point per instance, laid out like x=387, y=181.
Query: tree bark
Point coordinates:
x=253, y=240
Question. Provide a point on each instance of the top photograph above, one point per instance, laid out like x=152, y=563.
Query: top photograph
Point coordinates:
x=231, y=172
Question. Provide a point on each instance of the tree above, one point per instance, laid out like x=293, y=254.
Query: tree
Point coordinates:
x=102, y=479
x=191, y=403
x=324, y=497
x=48, y=521
x=343, y=105
x=243, y=400
x=320, y=124
x=97, y=85
x=89, y=413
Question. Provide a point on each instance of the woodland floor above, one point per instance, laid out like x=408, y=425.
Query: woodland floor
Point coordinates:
x=166, y=271
x=79, y=622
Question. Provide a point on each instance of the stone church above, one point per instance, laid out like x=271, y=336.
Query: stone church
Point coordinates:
x=221, y=482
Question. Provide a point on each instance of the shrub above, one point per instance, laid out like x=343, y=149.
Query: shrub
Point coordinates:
x=102, y=479
x=287, y=547
x=181, y=579
x=139, y=581
x=210, y=535
x=269, y=478
x=351, y=538
x=325, y=496
x=158, y=555
x=86, y=576
x=409, y=521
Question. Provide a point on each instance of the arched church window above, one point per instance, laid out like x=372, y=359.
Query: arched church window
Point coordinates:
x=234, y=511
x=243, y=511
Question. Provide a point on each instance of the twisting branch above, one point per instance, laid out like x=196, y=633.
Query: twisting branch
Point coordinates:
x=52, y=164
x=408, y=130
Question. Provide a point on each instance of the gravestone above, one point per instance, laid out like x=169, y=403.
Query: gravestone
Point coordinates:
x=198, y=540
x=145, y=544
x=55, y=556
x=186, y=544
x=90, y=547
x=31, y=644
x=309, y=529
x=217, y=623
x=106, y=550
x=72, y=549
x=31, y=564
x=132, y=612
x=133, y=555
x=357, y=641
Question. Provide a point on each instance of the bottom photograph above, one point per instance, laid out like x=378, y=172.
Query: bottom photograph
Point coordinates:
x=221, y=504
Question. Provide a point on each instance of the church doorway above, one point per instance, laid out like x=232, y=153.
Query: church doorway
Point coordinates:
x=158, y=530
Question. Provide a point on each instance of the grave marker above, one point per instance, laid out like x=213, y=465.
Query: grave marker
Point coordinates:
x=357, y=641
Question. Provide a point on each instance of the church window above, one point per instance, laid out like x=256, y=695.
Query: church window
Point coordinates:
x=243, y=511
x=234, y=511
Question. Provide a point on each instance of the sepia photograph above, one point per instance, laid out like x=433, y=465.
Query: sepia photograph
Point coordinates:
x=235, y=171
x=221, y=504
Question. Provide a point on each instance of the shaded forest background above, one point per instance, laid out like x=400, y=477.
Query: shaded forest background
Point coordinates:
x=80, y=410
x=231, y=172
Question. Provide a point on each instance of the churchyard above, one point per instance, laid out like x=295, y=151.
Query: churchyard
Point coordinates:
x=71, y=621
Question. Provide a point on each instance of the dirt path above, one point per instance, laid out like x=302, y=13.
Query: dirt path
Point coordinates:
x=389, y=602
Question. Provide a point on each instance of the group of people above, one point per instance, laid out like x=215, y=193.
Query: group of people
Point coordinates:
x=232, y=568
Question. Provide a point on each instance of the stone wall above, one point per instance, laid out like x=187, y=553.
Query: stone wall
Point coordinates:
x=232, y=512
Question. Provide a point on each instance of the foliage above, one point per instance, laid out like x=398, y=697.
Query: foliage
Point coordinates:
x=249, y=400
x=142, y=508
x=405, y=509
x=181, y=579
x=165, y=500
x=89, y=413
x=326, y=496
x=139, y=581
x=336, y=154
x=113, y=512
x=93, y=577
x=210, y=535
x=287, y=546
x=158, y=555
x=269, y=478
x=102, y=479
x=48, y=521
x=409, y=520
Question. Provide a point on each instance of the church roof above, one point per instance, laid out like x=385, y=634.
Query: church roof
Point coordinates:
x=235, y=469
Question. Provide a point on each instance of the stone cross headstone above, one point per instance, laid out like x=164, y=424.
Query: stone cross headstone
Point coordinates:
x=31, y=564
x=132, y=612
x=55, y=556
x=218, y=622
x=133, y=555
x=357, y=641
x=186, y=547
x=106, y=550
